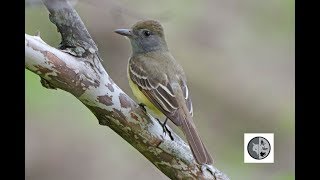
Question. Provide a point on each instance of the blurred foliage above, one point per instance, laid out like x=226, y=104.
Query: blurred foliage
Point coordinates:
x=239, y=59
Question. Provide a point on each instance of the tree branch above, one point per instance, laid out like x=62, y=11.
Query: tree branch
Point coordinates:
x=76, y=68
x=75, y=37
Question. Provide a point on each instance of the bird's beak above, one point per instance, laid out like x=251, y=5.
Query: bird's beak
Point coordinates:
x=124, y=32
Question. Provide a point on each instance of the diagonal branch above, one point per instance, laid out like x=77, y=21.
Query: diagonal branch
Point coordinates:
x=75, y=37
x=82, y=74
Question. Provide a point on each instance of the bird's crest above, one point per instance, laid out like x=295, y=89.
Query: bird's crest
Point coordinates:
x=151, y=25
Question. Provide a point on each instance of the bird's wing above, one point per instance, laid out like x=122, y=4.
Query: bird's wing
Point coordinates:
x=186, y=96
x=158, y=90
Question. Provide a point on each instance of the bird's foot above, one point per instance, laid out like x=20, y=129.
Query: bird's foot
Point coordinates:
x=143, y=106
x=165, y=128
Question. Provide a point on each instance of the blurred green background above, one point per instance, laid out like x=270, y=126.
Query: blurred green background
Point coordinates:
x=239, y=60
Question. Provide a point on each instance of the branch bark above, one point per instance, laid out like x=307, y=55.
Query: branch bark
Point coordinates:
x=75, y=67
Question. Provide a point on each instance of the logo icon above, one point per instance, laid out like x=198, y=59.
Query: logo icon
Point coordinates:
x=258, y=148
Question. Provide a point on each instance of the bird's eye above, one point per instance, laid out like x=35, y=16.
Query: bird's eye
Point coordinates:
x=146, y=33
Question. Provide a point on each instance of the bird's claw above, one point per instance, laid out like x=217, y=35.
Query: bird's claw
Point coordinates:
x=165, y=129
x=143, y=106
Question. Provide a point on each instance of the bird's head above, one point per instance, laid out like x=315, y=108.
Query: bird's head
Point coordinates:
x=145, y=36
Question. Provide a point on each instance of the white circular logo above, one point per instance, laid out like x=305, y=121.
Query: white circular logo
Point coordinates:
x=258, y=148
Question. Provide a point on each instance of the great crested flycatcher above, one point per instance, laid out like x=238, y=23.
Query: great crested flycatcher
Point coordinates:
x=159, y=82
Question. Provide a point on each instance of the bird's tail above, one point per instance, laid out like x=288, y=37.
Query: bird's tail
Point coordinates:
x=198, y=149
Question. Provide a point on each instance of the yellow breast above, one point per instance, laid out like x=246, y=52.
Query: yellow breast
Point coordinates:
x=143, y=99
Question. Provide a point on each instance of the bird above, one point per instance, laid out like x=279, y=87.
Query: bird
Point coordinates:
x=159, y=82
